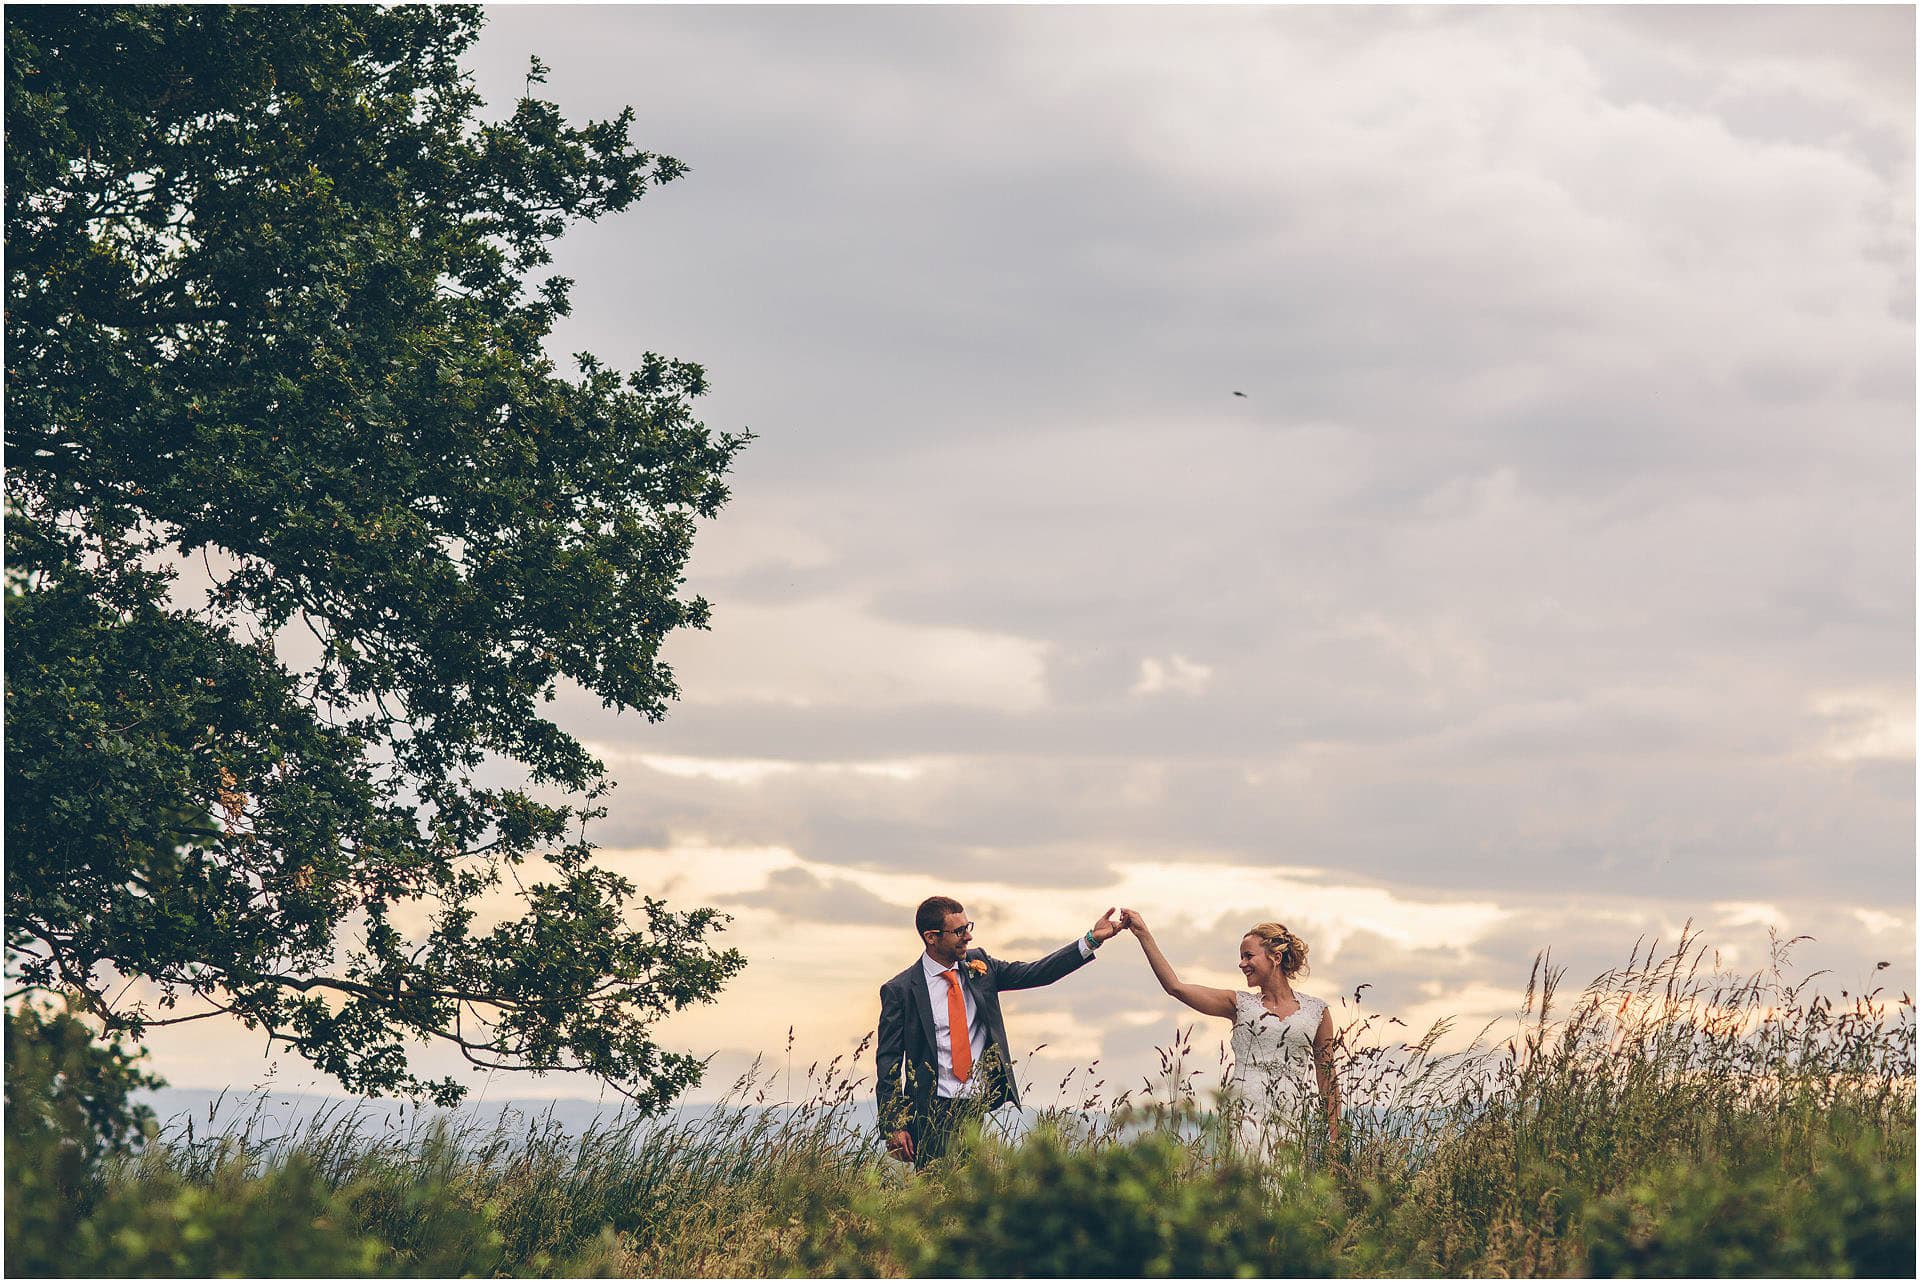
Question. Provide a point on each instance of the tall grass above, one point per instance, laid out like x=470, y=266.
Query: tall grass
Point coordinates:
x=1670, y=1118
x=667, y=1196
x=1495, y=1157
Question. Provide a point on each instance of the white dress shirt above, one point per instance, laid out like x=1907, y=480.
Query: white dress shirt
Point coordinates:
x=947, y=1085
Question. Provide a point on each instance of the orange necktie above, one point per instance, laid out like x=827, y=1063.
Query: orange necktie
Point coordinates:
x=957, y=1032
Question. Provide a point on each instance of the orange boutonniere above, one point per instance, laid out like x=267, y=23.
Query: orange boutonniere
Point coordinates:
x=976, y=966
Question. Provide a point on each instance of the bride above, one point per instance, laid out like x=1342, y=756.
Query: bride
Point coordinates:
x=1278, y=1034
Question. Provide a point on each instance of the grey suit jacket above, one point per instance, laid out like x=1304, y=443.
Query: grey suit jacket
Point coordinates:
x=907, y=1060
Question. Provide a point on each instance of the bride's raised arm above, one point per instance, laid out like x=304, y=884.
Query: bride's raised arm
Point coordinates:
x=1206, y=1001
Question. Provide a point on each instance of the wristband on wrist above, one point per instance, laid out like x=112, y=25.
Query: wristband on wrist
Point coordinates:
x=1091, y=942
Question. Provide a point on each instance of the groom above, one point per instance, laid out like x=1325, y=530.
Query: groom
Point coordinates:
x=942, y=1048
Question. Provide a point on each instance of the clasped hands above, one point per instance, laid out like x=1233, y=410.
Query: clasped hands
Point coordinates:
x=1130, y=920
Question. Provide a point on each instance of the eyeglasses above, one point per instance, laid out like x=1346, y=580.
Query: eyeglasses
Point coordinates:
x=965, y=928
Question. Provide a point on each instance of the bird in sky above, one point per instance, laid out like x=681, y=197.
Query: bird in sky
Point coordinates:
x=1240, y=394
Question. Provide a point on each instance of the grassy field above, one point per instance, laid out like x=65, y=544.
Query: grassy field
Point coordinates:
x=1663, y=1121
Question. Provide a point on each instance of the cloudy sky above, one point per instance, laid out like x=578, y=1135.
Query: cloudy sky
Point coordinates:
x=1551, y=584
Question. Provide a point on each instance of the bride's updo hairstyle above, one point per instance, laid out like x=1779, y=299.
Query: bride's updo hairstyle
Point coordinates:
x=1284, y=947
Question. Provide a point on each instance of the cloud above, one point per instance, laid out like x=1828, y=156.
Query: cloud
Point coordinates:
x=1866, y=725
x=750, y=771
x=1553, y=584
x=1877, y=922
x=797, y=894
x=835, y=651
x=1176, y=675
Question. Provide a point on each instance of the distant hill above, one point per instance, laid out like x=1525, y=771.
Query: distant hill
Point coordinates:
x=280, y=1113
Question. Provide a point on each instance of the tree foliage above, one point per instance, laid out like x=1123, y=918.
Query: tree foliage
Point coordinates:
x=304, y=528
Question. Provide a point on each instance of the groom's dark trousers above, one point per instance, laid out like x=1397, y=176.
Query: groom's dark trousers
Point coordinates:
x=907, y=1057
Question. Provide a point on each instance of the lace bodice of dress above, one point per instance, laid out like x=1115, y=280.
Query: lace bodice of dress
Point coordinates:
x=1266, y=1046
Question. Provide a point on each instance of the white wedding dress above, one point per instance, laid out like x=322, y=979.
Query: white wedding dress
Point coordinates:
x=1273, y=1094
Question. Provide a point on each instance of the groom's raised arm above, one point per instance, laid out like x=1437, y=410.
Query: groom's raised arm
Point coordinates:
x=1031, y=975
x=1061, y=962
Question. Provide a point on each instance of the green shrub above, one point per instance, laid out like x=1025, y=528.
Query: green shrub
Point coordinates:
x=283, y=1217
x=1850, y=1215
x=1048, y=1208
x=81, y=1199
x=285, y=1223
x=67, y=1109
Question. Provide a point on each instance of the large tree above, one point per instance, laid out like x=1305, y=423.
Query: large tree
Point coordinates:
x=304, y=528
